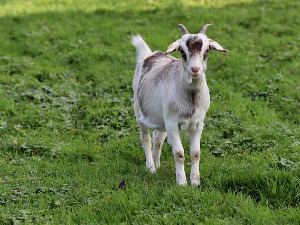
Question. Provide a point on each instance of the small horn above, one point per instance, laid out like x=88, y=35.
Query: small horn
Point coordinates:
x=203, y=30
x=183, y=29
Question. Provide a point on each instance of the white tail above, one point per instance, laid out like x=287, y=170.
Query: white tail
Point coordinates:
x=143, y=50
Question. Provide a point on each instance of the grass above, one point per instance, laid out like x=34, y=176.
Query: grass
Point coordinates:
x=68, y=136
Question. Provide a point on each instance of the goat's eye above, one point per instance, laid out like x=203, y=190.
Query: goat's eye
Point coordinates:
x=205, y=54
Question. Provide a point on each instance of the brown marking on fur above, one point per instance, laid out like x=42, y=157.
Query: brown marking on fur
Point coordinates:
x=148, y=62
x=196, y=157
x=159, y=145
x=180, y=157
x=193, y=97
x=192, y=102
x=194, y=45
x=183, y=55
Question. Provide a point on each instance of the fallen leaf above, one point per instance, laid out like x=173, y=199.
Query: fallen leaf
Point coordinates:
x=108, y=197
x=73, y=130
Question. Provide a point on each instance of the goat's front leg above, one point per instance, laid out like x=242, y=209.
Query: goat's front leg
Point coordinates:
x=178, y=152
x=146, y=142
x=195, y=136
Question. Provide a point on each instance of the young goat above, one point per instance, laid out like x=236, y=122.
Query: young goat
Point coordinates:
x=171, y=95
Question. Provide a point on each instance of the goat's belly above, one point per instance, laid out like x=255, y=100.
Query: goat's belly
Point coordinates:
x=159, y=125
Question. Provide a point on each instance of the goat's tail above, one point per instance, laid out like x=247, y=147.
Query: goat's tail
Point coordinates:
x=143, y=50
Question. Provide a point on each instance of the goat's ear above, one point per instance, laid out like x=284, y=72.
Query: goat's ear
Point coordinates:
x=173, y=47
x=215, y=46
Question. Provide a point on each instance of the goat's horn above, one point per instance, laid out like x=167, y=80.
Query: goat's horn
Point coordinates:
x=183, y=29
x=204, y=28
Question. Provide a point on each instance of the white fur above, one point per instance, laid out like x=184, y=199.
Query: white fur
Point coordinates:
x=167, y=105
x=143, y=49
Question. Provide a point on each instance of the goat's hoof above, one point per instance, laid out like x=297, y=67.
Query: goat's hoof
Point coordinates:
x=152, y=169
x=195, y=179
x=195, y=183
x=181, y=180
x=157, y=165
x=182, y=183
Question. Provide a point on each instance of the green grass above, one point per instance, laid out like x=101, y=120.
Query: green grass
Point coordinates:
x=68, y=136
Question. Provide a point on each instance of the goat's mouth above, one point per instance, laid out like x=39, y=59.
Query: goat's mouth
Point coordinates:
x=196, y=75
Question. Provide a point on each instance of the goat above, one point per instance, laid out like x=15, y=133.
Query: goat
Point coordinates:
x=171, y=95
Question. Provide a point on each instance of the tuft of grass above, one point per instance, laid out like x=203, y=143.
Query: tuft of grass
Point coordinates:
x=68, y=136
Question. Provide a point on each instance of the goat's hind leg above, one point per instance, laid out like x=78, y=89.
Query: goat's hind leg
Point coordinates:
x=146, y=142
x=158, y=140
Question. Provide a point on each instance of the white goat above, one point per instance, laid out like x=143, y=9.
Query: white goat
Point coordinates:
x=172, y=95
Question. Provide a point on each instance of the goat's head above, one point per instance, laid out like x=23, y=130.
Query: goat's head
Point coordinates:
x=194, y=50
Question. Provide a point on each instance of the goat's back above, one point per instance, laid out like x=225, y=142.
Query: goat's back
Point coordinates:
x=153, y=78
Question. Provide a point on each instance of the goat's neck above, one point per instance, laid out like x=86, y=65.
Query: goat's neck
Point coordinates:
x=195, y=83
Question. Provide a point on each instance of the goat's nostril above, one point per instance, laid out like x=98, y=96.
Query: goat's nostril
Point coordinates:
x=195, y=69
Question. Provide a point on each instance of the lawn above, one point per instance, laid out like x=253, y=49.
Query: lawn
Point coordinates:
x=68, y=135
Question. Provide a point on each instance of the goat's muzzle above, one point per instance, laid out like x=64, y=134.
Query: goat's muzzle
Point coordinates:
x=195, y=69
